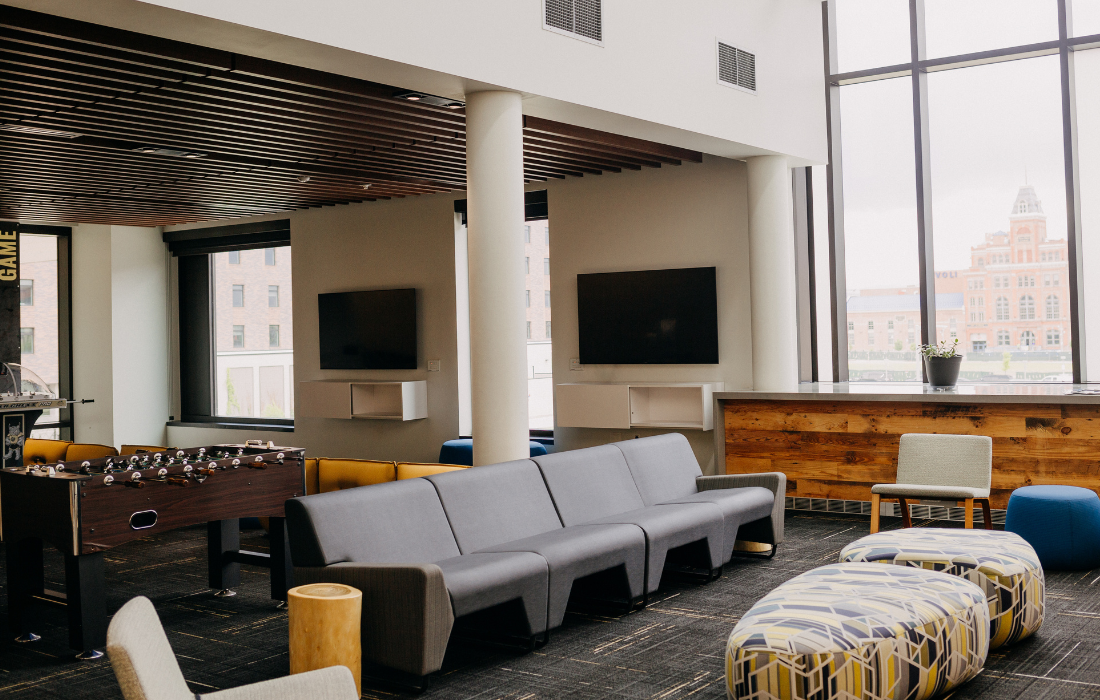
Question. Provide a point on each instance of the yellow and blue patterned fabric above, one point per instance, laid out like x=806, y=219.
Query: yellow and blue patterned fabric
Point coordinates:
x=1003, y=564
x=859, y=631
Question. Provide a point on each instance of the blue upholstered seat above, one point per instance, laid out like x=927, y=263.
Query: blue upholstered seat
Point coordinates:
x=1062, y=523
x=461, y=452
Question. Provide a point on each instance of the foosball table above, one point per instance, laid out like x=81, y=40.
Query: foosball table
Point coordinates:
x=85, y=508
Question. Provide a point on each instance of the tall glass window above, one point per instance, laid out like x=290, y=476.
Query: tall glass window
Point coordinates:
x=1003, y=205
x=254, y=368
x=985, y=116
x=39, y=314
x=964, y=26
x=880, y=229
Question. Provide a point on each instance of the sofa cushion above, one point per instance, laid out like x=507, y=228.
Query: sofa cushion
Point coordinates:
x=494, y=504
x=337, y=474
x=589, y=484
x=574, y=552
x=480, y=581
x=79, y=451
x=396, y=523
x=738, y=506
x=670, y=526
x=663, y=466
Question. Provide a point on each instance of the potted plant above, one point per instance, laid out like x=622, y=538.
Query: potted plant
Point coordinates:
x=941, y=363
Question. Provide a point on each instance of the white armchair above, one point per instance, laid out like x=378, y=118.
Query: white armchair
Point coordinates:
x=940, y=467
x=146, y=667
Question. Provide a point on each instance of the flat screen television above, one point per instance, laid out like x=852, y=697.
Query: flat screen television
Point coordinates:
x=368, y=330
x=648, y=317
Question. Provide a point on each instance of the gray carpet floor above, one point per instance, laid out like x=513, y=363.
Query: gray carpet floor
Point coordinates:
x=673, y=649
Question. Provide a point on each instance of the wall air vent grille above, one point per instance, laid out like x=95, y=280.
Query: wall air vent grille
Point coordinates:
x=582, y=19
x=736, y=67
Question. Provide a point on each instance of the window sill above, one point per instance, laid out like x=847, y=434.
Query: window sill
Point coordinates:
x=283, y=427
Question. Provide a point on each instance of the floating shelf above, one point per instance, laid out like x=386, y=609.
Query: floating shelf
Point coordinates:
x=364, y=399
x=636, y=405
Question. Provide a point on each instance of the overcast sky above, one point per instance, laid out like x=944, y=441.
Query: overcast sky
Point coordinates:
x=988, y=125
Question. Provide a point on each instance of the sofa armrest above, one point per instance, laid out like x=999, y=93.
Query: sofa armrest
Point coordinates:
x=407, y=616
x=776, y=482
x=332, y=683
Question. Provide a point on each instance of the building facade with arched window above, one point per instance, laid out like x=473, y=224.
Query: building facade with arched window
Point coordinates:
x=1025, y=274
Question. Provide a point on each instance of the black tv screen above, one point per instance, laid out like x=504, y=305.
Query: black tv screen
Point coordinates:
x=368, y=330
x=648, y=317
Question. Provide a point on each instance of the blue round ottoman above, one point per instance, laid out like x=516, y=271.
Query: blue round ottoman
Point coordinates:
x=1062, y=523
x=461, y=452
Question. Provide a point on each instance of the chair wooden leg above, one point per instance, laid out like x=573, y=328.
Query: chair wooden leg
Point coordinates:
x=986, y=515
x=968, y=513
x=876, y=509
x=906, y=518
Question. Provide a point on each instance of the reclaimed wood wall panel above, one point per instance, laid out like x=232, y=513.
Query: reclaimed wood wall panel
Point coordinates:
x=839, y=449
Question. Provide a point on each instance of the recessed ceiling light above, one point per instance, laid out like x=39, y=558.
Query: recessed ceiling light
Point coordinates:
x=38, y=131
x=303, y=178
x=425, y=98
x=169, y=152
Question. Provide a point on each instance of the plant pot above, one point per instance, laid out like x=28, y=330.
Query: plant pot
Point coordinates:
x=942, y=371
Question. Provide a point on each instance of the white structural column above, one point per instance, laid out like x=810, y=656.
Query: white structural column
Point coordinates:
x=772, y=275
x=494, y=210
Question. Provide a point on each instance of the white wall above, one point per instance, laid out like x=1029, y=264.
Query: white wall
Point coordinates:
x=120, y=334
x=93, y=334
x=398, y=243
x=655, y=76
x=687, y=216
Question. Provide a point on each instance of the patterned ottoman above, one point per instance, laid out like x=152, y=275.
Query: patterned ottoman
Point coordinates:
x=1001, y=563
x=860, y=631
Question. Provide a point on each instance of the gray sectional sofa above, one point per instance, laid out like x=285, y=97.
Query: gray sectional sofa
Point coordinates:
x=517, y=536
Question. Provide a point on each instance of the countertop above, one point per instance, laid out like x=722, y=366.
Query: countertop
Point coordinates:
x=1015, y=392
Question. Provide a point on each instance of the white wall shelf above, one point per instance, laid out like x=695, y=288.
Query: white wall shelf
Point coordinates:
x=627, y=405
x=364, y=399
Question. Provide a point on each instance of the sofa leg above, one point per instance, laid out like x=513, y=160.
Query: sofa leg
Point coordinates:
x=968, y=513
x=876, y=512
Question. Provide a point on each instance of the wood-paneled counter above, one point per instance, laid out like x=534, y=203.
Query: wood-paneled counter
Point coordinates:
x=837, y=440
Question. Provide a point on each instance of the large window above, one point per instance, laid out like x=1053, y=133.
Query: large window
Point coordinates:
x=949, y=175
x=540, y=389
x=44, y=319
x=254, y=356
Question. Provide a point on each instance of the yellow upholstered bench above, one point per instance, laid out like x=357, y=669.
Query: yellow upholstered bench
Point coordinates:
x=337, y=474
x=43, y=451
x=412, y=470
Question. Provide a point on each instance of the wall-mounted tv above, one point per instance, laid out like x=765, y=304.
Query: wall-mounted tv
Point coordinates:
x=368, y=330
x=648, y=317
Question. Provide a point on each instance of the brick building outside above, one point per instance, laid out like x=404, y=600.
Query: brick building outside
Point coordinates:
x=1009, y=310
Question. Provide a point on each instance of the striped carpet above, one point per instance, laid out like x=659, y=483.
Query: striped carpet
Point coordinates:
x=673, y=649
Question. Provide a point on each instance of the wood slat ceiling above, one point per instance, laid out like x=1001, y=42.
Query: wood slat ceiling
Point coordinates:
x=78, y=101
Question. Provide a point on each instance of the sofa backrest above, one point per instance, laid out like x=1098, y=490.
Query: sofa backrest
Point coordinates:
x=663, y=466
x=401, y=522
x=590, y=483
x=490, y=505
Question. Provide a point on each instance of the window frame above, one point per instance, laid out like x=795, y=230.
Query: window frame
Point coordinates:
x=193, y=278
x=63, y=235
x=916, y=70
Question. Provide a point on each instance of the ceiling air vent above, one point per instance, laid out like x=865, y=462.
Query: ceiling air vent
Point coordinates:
x=580, y=19
x=736, y=68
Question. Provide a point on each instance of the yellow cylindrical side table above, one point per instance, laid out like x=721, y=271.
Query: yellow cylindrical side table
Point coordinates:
x=324, y=628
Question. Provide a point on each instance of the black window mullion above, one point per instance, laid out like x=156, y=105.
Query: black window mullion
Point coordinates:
x=838, y=296
x=926, y=260
x=1073, y=193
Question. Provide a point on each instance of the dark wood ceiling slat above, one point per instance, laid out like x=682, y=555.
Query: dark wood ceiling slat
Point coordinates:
x=261, y=126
